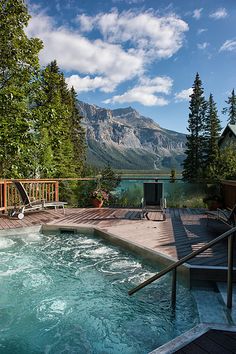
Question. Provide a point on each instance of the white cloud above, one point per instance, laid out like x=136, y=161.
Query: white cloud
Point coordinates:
x=229, y=45
x=85, y=23
x=201, y=30
x=202, y=46
x=129, y=2
x=219, y=14
x=126, y=44
x=183, y=95
x=159, y=84
x=85, y=84
x=148, y=34
x=75, y=52
x=145, y=93
x=197, y=13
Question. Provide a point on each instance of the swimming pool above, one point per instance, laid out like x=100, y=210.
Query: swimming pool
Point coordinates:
x=67, y=293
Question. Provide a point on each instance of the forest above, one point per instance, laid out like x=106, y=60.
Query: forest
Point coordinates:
x=40, y=127
x=41, y=135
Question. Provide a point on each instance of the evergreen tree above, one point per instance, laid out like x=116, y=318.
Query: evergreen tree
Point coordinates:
x=19, y=66
x=231, y=109
x=77, y=135
x=54, y=125
x=212, y=130
x=192, y=165
x=61, y=133
x=109, y=179
x=225, y=166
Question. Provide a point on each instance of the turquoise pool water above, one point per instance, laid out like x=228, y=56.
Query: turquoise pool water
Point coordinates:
x=67, y=293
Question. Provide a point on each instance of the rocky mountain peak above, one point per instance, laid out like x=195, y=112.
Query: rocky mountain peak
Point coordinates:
x=93, y=112
x=128, y=140
x=124, y=111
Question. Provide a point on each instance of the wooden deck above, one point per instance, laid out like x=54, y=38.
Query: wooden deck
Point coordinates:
x=204, y=338
x=213, y=341
x=185, y=230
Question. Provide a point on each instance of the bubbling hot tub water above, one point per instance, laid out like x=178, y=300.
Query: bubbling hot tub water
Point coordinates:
x=68, y=293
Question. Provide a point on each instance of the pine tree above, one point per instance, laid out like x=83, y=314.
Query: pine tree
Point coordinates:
x=19, y=66
x=194, y=146
x=225, y=164
x=54, y=107
x=231, y=109
x=212, y=130
x=61, y=133
x=77, y=135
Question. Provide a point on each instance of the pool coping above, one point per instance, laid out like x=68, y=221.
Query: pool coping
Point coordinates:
x=20, y=230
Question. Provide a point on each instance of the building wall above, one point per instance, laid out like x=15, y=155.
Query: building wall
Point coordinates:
x=228, y=139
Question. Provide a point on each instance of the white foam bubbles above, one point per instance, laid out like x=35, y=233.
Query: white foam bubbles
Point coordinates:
x=6, y=242
x=31, y=237
x=51, y=309
x=36, y=280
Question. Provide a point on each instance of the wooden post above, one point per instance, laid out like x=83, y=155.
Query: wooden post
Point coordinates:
x=230, y=271
x=5, y=196
x=42, y=191
x=56, y=191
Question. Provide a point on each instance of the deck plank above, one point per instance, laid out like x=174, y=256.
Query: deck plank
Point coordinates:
x=213, y=341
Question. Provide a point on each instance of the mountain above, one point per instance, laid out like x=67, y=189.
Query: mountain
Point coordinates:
x=127, y=140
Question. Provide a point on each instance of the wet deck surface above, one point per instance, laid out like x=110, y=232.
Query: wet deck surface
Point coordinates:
x=185, y=230
x=213, y=341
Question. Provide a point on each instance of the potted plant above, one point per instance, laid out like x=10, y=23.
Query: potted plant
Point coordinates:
x=213, y=202
x=98, y=197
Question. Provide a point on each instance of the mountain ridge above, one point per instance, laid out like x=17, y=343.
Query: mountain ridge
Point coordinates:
x=127, y=140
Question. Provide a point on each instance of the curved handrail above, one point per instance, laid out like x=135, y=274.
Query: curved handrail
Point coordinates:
x=182, y=260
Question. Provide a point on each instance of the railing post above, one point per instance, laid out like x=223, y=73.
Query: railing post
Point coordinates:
x=230, y=271
x=57, y=191
x=5, y=196
x=173, y=292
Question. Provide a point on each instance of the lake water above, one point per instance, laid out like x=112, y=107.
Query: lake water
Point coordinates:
x=177, y=194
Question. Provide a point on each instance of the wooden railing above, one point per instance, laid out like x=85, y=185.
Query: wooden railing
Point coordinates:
x=36, y=188
x=48, y=189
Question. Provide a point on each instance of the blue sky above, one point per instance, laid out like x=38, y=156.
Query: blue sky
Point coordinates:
x=141, y=53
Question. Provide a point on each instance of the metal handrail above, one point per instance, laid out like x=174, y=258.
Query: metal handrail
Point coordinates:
x=228, y=234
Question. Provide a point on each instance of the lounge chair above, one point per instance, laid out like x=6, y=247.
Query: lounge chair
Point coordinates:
x=227, y=216
x=153, y=199
x=28, y=205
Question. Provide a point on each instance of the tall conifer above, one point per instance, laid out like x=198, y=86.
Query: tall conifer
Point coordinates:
x=212, y=130
x=19, y=66
x=231, y=109
x=61, y=133
x=54, y=110
x=77, y=135
x=192, y=165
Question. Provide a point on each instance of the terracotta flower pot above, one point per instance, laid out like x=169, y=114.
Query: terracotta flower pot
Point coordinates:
x=97, y=203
